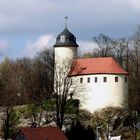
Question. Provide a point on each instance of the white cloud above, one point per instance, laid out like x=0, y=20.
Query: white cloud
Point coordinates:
x=87, y=18
x=3, y=45
x=86, y=46
x=47, y=41
x=26, y=16
x=42, y=42
x=135, y=4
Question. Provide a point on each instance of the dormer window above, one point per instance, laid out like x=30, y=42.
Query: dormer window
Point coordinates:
x=62, y=38
x=83, y=68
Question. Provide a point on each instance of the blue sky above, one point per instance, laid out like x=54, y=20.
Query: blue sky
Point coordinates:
x=30, y=25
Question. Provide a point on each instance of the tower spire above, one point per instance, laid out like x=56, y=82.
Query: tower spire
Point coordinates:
x=66, y=18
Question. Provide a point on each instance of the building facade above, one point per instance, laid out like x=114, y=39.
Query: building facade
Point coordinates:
x=103, y=81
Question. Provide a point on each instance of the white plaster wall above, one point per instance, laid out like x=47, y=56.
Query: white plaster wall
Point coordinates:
x=102, y=94
x=63, y=62
x=63, y=55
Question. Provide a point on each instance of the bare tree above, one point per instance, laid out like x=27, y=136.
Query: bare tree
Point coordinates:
x=108, y=120
x=104, y=46
x=134, y=70
x=64, y=90
x=35, y=79
x=127, y=52
x=120, y=51
x=8, y=94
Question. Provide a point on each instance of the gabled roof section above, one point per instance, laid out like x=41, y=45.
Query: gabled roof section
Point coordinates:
x=43, y=133
x=103, y=65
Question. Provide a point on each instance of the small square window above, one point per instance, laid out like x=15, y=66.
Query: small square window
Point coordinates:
x=88, y=80
x=81, y=80
x=105, y=79
x=116, y=79
x=125, y=79
x=96, y=80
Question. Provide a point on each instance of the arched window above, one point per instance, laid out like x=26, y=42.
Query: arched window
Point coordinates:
x=62, y=38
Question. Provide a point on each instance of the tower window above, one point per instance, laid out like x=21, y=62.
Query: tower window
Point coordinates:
x=67, y=39
x=88, y=80
x=62, y=38
x=95, y=80
x=125, y=79
x=116, y=79
x=81, y=80
x=105, y=79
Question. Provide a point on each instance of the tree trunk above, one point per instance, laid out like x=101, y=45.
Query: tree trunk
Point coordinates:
x=6, y=125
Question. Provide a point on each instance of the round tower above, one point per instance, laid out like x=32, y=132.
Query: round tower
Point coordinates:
x=103, y=81
x=65, y=48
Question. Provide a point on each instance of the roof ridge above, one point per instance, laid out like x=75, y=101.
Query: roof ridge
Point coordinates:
x=102, y=65
x=96, y=58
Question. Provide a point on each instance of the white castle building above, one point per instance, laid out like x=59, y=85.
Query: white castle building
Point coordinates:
x=104, y=81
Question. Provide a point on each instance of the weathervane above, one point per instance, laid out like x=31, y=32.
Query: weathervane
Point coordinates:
x=66, y=21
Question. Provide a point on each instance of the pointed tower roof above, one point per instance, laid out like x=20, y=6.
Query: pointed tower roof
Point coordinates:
x=65, y=38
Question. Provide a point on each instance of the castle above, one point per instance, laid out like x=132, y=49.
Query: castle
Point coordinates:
x=104, y=81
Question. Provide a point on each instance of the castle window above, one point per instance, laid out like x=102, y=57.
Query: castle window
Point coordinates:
x=71, y=82
x=67, y=39
x=62, y=38
x=116, y=79
x=88, y=80
x=125, y=79
x=95, y=80
x=105, y=79
x=81, y=80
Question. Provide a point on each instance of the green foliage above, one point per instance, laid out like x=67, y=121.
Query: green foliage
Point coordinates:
x=33, y=109
x=117, y=123
x=10, y=122
x=138, y=135
x=72, y=106
x=14, y=117
x=49, y=105
x=105, y=115
x=109, y=120
x=14, y=121
x=87, y=55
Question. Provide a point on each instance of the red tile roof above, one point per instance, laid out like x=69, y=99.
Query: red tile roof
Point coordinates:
x=43, y=133
x=103, y=65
